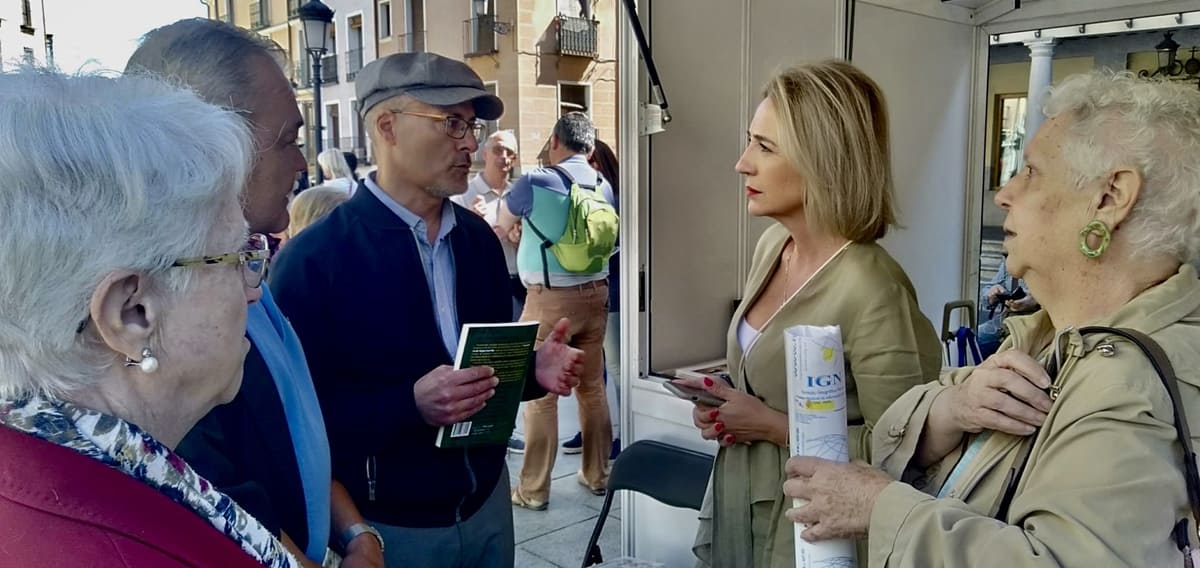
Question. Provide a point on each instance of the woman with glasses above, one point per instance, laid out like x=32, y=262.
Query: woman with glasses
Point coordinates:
x=125, y=272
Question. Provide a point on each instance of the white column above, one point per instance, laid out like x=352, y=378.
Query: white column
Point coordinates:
x=1041, y=54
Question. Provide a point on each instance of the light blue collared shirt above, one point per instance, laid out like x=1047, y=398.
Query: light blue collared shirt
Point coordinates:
x=437, y=259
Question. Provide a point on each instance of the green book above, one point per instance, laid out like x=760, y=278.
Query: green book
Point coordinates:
x=508, y=349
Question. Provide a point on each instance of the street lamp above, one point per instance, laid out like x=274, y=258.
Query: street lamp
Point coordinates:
x=1167, y=50
x=1170, y=66
x=316, y=17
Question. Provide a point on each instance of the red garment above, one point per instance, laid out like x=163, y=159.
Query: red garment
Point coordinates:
x=61, y=508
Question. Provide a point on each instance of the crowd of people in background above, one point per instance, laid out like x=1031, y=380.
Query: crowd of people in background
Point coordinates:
x=166, y=400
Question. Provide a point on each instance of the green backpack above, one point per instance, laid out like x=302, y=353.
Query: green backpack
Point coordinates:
x=591, y=232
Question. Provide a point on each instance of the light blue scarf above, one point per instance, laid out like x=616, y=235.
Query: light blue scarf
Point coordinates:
x=276, y=341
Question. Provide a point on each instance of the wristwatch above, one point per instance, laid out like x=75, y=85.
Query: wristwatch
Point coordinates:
x=356, y=529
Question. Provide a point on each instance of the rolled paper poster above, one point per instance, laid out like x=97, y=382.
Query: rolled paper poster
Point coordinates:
x=816, y=387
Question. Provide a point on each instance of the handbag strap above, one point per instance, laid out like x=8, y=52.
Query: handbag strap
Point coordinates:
x=1166, y=374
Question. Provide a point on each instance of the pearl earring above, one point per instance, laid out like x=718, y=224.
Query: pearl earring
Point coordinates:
x=148, y=364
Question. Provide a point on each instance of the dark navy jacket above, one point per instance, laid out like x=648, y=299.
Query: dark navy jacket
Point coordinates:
x=354, y=289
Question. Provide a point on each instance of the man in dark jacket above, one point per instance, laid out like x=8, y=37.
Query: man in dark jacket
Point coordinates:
x=267, y=449
x=378, y=290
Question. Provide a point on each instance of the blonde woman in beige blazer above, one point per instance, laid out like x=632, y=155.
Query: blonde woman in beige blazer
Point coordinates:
x=817, y=162
x=1103, y=484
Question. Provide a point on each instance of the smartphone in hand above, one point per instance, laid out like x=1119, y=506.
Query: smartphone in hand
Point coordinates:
x=693, y=395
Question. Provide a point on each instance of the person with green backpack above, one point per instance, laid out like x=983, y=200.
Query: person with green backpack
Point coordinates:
x=569, y=231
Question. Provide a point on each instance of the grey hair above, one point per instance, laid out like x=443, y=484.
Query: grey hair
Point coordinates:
x=334, y=164
x=396, y=103
x=1121, y=120
x=506, y=137
x=576, y=131
x=213, y=58
x=101, y=174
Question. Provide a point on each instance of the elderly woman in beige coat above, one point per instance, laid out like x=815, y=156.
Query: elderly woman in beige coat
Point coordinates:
x=817, y=162
x=1103, y=224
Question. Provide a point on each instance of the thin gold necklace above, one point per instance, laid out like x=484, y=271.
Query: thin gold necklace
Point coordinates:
x=787, y=264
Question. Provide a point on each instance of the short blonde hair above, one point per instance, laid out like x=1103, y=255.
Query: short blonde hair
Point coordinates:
x=310, y=205
x=834, y=130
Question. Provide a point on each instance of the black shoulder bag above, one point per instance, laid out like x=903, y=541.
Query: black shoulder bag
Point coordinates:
x=1191, y=475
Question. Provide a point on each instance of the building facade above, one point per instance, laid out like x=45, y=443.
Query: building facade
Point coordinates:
x=542, y=57
x=278, y=20
x=23, y=37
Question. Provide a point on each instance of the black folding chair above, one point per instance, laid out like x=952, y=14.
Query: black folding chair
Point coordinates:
x=672, y=475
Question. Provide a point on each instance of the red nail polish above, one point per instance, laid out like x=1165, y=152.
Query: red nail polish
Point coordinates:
x=713, y=415
x=729, y=438
x=719, y=426
x=708, y=382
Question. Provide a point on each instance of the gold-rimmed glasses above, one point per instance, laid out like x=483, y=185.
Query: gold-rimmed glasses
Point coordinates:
x=456, y=127
x=252, y=259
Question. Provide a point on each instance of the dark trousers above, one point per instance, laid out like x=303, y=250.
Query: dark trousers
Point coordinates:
x=518, y=291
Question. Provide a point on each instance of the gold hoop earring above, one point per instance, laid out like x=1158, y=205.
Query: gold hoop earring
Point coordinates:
x=1097, y=228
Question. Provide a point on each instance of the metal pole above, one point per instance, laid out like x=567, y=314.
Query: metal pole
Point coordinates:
x=317, y=115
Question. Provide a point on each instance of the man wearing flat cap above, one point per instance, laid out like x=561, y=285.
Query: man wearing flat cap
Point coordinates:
x=378, y=291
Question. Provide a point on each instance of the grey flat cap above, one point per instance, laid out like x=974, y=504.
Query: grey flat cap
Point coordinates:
x=427, y=77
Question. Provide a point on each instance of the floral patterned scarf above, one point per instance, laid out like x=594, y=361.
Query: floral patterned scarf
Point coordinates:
x=130, y=449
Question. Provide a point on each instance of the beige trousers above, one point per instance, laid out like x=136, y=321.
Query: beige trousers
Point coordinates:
x=587, y=308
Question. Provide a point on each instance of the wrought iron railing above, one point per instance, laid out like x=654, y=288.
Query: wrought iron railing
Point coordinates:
x=354, y=63
x=355, y=145
x=482, y=34
x=303, y=75
x=260, y=14
x=329, y=69
x=577, y=36
x=411, y=42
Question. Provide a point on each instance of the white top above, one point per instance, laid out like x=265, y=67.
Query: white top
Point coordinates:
x=477, y=187
x=345, y=184
x=746, y=335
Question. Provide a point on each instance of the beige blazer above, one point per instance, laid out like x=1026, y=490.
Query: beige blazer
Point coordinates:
x=889, y=347
x=1104, y=483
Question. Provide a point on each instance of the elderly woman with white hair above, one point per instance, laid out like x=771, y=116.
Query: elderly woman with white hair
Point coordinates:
x=337, y=170
x=1068, y=447
x=119, y=330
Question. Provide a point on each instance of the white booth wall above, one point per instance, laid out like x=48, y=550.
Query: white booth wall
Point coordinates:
x=713, y=57
x=925, y=67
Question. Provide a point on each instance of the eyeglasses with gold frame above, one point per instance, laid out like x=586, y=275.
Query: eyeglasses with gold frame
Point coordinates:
x=455, y=127
x=252, y=259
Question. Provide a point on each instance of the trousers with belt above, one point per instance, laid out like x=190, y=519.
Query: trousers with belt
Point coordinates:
x=586, y=306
